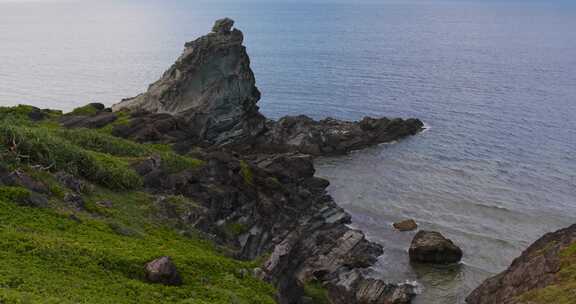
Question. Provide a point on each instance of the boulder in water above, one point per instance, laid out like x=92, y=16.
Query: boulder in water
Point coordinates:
x=433, y=248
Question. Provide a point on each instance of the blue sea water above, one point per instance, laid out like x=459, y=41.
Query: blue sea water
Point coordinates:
x=494, y=81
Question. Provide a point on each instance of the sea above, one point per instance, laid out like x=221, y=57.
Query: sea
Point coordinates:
x=494, y=82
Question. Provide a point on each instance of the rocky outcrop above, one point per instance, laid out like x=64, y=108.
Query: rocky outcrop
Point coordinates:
x=162, y=270
x=211, y=85
x=405, y=225
x=544, y=273
x=273, y=204
x=211, y=91
x=433, y=247
x=332, y=136
x=267, y=201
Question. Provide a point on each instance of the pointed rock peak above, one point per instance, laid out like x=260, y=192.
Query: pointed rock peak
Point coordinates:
x=211, y=85
x=223, y=25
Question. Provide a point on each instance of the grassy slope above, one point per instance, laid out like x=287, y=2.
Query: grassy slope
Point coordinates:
x=58, y=255
x=563, y=291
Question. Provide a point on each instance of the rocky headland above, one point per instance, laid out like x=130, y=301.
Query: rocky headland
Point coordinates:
x=188, y=193
x=209, y=162
x=208, y=99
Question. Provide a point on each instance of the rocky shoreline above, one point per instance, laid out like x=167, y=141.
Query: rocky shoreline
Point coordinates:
x=248, y=182
x=258, y=174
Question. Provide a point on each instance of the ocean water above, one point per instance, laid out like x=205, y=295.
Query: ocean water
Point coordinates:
x=494, y=81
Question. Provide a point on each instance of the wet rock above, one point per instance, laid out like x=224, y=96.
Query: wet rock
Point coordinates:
x=406, y=225
x=432, y=247
x=540, y=266
x=163, y=271
x=331, y=136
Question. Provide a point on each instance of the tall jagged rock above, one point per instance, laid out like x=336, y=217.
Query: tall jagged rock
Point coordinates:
x=212, y=88
x=211, y=85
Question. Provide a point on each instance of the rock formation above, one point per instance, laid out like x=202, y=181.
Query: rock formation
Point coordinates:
x=432, y=247
x=267, y=201
x=405, y=225
x=162, y=270
x=544, y=273
x=277, y=207
x=211, y=90
x=211, y=85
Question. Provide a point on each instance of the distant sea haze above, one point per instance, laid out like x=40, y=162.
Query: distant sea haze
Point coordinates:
x=494, y=81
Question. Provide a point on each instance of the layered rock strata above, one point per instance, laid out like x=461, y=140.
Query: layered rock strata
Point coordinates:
x=266, y=202
x=212, y=89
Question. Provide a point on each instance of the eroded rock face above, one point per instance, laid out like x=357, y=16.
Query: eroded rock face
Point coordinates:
x=332, y=136
x=281, y=210
x=539, y=266
x=211, y=85
x=432, y=247
x=162, y=270
x=212, y=89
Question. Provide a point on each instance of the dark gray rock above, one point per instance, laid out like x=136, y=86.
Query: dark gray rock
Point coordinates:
x=72, y=182
x=211, y=85
x=21, y=179
x=74, y=200
x=432, y=247
x=331, y=136
x=96, y=121
x=163, y=271
x=223, y=25
x=285, y=211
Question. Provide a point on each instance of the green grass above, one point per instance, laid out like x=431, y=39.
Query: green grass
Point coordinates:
x=45, y=147
x=15, y=194
x=85, y=110
x=98, y=157
x=123, y=118
x=563, y=291
x=246, y=172
x=97, y=255
x=48, y=257
x=316, y=292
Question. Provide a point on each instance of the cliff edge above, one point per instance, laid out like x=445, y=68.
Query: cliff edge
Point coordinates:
x=544, y=273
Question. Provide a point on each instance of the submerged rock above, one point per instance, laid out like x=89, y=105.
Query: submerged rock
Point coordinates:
x=162, y=270
x=545, y=271
x=405, y=225
x=432, y=247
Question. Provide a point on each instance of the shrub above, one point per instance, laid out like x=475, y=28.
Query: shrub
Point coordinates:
x=41, y=146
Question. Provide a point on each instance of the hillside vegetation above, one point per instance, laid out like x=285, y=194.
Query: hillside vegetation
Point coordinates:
x=90, y=245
